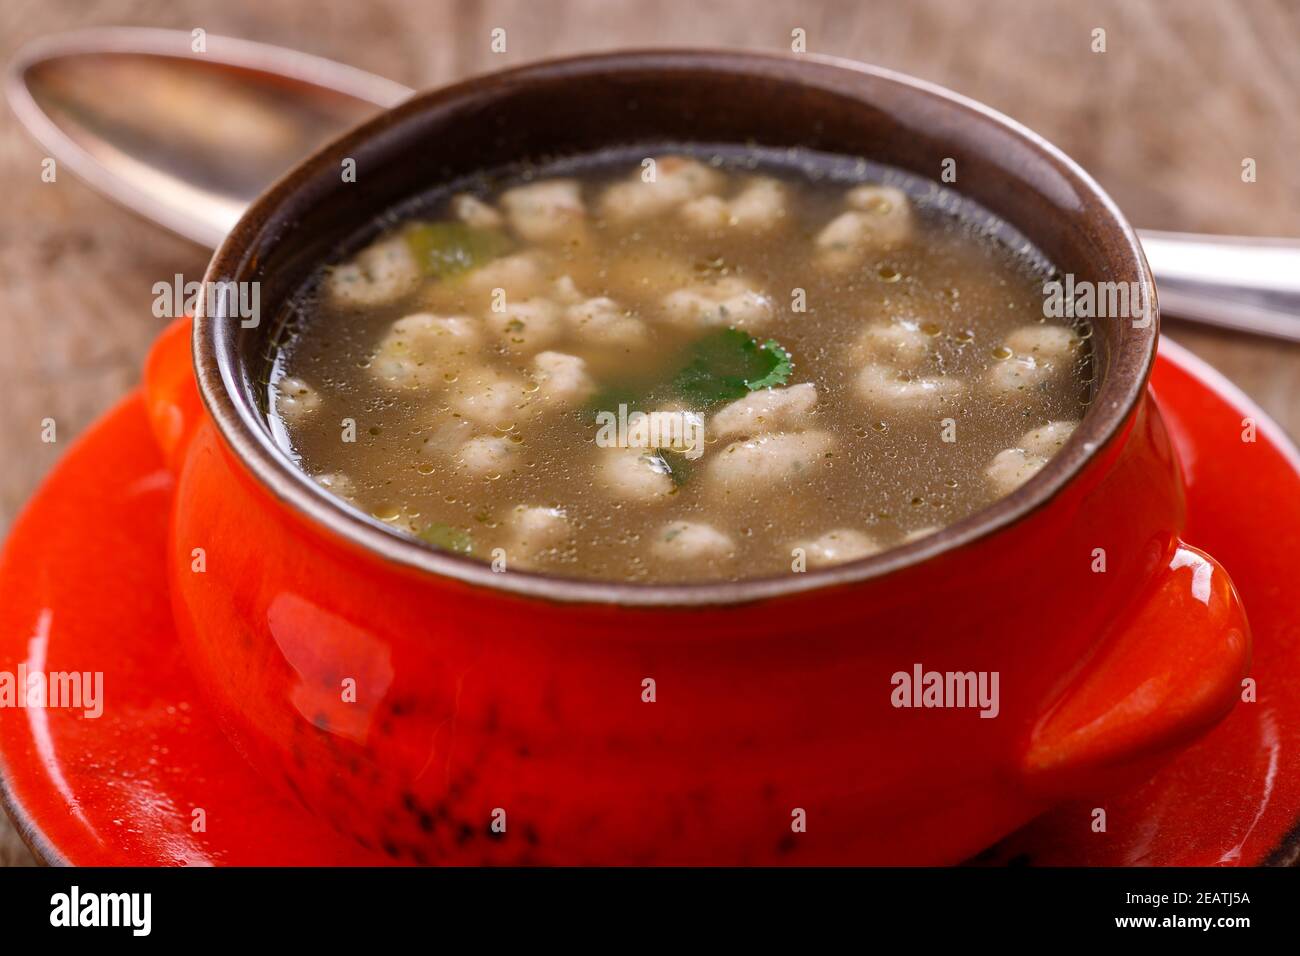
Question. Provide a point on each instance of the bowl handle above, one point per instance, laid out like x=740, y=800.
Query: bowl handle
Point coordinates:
x=1167, y=673
x=171, y=394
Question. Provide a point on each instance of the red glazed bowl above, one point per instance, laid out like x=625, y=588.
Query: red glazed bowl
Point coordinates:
x=499, y=718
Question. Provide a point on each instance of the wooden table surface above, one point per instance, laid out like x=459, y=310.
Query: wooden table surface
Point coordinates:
x=1185, y=90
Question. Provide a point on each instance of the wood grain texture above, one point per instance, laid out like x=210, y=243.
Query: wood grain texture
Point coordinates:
x=1163, y=118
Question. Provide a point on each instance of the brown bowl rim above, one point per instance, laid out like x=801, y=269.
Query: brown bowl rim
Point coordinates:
x=215, y=363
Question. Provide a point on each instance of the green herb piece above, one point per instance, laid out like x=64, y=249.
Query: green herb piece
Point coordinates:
x=446, y=249
x=720, y=367
x=779, y=374
x=727, y=365
x=446, y=538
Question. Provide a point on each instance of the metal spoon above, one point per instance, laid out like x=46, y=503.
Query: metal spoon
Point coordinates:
x=189, y=137
x=184, y=138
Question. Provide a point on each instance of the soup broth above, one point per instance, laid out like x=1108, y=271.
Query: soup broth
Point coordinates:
x=679, y=366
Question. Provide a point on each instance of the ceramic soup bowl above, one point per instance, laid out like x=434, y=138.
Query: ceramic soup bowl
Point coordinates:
x=439, y=712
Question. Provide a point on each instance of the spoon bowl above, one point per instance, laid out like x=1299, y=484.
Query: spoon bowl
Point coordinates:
x=187, y=137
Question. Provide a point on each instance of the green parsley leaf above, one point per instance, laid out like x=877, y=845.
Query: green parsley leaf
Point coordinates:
x=727, y=365
x=779, y=374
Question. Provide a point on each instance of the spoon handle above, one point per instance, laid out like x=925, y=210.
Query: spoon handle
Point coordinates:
x=1236, y=282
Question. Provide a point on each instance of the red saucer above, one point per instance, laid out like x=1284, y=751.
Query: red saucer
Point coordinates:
x=81, y=590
